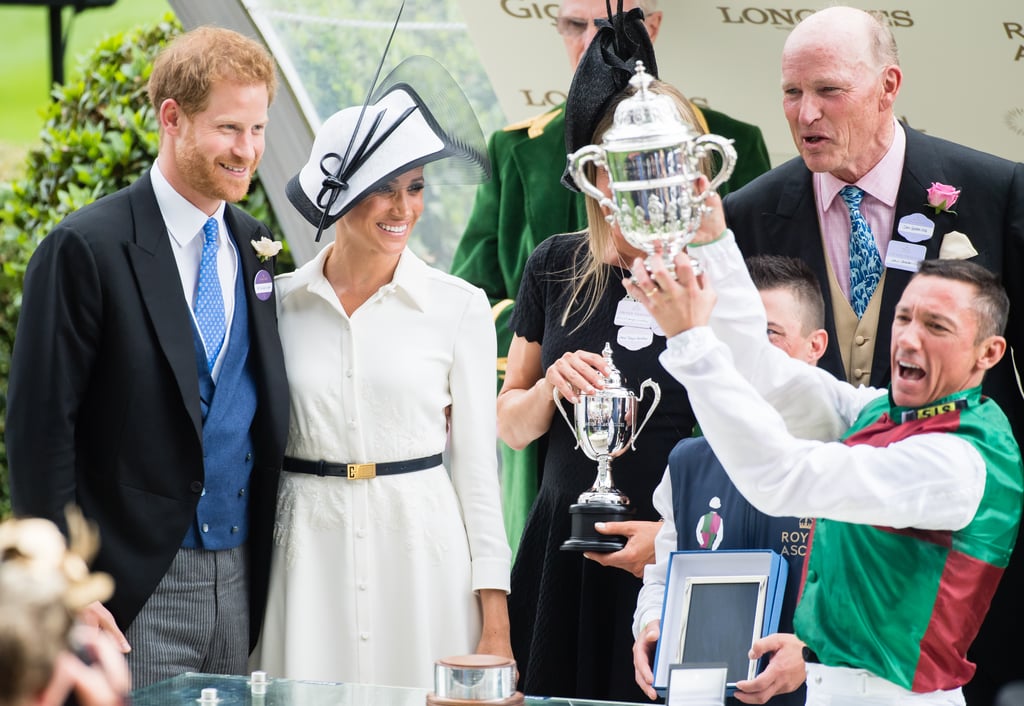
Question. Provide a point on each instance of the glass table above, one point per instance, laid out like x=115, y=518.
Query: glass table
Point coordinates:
x=185, y=690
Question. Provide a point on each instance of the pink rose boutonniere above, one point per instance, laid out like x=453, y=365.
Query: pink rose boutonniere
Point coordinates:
x=942, y=197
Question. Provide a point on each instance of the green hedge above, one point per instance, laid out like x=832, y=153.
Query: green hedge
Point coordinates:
x=99, y=135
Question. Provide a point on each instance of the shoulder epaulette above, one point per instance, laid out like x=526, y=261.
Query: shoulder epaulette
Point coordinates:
x=701, y=120
x=534, y=126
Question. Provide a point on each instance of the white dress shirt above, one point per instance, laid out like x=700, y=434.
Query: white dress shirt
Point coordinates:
x=185, y=226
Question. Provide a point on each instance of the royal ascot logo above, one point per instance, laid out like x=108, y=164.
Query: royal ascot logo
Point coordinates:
x=1015, y=121
x=795, y=543
x=523, y=10
x=788, y=17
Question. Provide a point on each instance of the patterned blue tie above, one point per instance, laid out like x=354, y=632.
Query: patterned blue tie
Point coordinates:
x=865, y=262
x=209, y=306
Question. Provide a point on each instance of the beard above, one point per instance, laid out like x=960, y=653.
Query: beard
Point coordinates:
x=205, y=175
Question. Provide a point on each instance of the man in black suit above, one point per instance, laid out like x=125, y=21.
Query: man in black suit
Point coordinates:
x=147, y=383
x=840, y=78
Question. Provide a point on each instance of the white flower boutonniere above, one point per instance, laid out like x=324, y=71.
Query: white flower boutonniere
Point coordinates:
x=266, y=248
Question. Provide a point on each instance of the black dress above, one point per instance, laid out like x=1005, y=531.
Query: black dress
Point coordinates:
x=571, y=617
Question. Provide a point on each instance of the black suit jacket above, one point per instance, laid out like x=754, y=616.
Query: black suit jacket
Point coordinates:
x=775, y=214
x=103, y=407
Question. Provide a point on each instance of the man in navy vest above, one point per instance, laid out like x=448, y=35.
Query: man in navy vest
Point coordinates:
x=703, y=509
x=147, y=383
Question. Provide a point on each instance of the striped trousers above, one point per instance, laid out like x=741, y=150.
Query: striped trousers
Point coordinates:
x=197, y=619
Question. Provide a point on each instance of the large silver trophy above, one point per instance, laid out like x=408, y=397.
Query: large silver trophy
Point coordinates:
x=653, y=160
x=605, y=427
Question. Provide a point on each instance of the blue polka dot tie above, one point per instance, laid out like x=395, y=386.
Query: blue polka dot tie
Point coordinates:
x=865, y=262
x=209, y=306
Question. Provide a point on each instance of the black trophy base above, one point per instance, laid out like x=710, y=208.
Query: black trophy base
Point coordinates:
x=587, y=539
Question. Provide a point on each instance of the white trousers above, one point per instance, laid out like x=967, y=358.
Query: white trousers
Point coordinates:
x=841, y=686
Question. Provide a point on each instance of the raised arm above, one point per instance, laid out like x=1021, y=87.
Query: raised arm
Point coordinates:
x=931, y=481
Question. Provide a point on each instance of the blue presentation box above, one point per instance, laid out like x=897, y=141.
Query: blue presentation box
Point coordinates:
x=716, y=604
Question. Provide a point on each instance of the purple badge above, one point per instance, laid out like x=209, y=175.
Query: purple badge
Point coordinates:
x=263, y=285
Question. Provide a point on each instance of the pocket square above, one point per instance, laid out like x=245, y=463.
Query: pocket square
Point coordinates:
x=956, y=246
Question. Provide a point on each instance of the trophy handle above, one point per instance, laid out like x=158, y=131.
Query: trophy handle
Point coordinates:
x=654, y=403
x=557, y=396
x=595, y=154
x=724, y=148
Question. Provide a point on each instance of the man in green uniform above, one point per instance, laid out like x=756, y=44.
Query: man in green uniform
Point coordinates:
x=524, y=203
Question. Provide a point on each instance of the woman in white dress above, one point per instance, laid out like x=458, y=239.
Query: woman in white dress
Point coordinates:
x=389, y=361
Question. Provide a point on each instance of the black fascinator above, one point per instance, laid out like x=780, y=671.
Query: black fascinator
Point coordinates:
x=603, y=73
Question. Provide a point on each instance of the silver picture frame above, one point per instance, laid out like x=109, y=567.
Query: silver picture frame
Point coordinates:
x=721, y=617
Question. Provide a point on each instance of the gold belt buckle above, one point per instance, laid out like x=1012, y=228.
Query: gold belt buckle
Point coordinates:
x=358, y=471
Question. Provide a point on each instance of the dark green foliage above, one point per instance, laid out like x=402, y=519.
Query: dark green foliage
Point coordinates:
x=99, y=135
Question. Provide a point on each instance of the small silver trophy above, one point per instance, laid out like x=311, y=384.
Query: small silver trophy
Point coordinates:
x=653, y=160
x=604, y=429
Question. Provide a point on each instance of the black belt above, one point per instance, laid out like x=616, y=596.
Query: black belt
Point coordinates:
x=809, y=656
x=357, y=471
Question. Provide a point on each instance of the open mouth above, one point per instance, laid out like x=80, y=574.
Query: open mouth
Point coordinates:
x=397, y=230
x=909, y=371
x=240, y=171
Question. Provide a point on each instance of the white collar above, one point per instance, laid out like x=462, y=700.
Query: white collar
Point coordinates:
x=882, y=181
x=183, y=220
x=410, y=279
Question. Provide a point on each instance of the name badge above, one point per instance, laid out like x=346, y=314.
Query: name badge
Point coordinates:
x=904, y=256
x=630, y=312
x=916, y=227
x=633, y=339
x=263, y=285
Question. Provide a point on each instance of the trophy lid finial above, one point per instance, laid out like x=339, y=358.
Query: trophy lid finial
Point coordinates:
x=646, y=119
x=641, y=79
x=613, y=379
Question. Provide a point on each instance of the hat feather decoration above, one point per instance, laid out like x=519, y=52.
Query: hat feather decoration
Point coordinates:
x=417, y=116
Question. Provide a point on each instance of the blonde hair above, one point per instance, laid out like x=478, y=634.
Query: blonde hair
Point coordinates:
x=590, y=276
x=43, y=583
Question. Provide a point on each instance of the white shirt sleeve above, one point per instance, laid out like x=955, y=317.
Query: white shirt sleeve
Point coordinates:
x=929, y=481
x=473, y=454
x=814, y=404
x=652, y=593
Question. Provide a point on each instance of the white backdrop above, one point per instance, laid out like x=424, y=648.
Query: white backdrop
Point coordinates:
x=963, y=62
